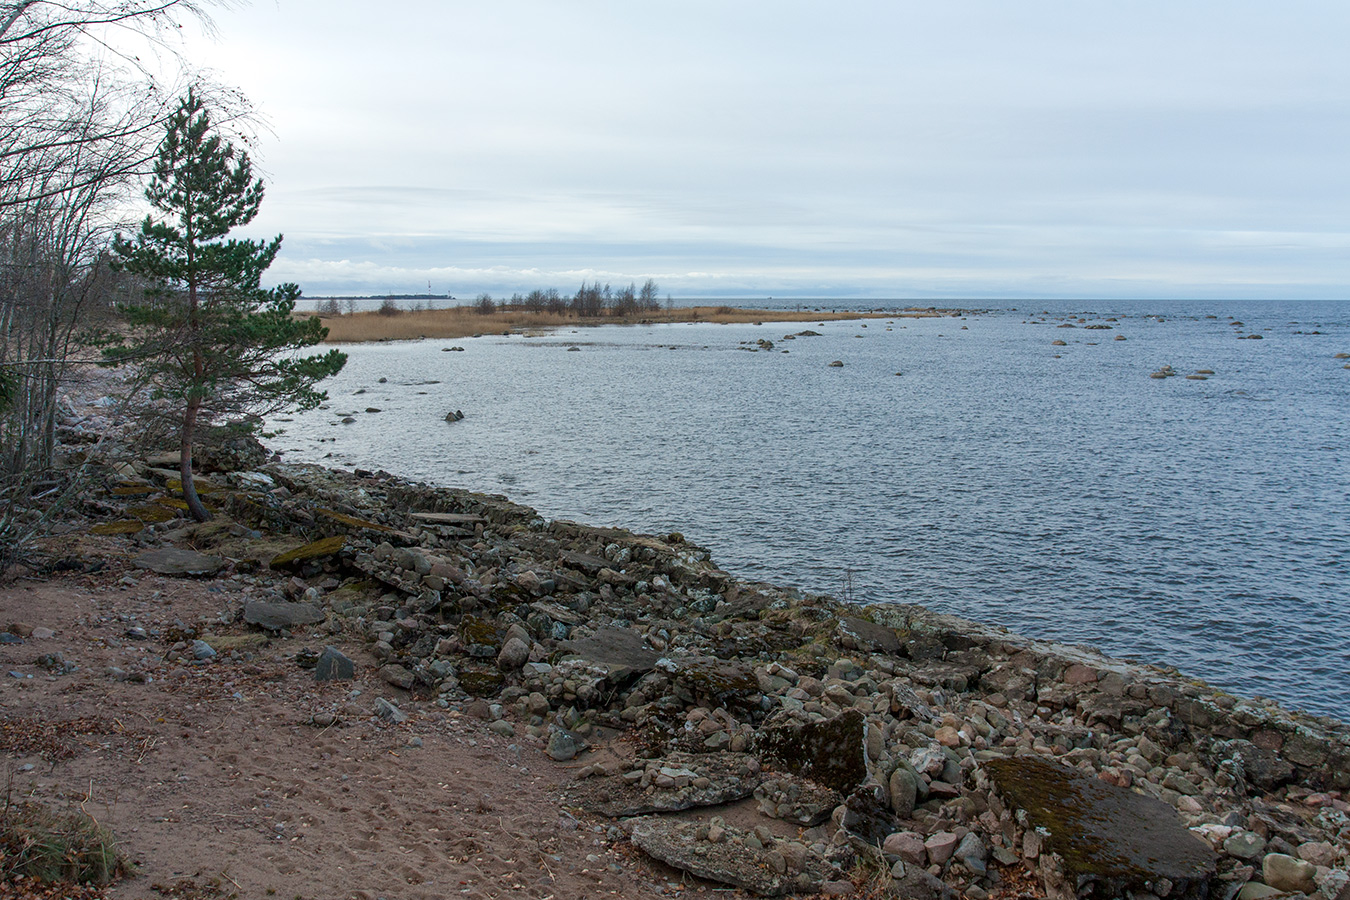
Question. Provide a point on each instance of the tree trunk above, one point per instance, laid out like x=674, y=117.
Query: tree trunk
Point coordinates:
x=194, y=503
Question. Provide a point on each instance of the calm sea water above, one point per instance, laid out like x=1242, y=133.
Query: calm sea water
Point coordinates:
x=963, y=463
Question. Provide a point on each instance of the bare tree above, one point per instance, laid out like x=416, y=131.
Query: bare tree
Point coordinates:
x=79, y=120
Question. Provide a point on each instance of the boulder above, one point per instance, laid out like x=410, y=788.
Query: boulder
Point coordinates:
x=1285, y=873
x=682, y=781
x=736, y=857
x=621, y=653
x=334, y=665
x=831, y=752
x=1101, y=840
x=173, y=561
x=281, y=615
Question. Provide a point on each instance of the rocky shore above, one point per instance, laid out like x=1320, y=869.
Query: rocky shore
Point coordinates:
x=752, y=735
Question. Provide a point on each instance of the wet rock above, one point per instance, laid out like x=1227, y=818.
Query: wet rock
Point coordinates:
x=738, y=858
x=333, y=665
x=674, y=782
x=829, y=752
x=1285, y=873
x=281, y=615
x=1102, y=839
x=173, y=561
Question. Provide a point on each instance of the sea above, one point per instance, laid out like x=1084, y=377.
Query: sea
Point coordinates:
x=968, y=462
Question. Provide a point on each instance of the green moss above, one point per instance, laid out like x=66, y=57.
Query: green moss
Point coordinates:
x=320, y=548
x=480, y=681
x=1107, y=835
x=474, y=630
x=353, y=521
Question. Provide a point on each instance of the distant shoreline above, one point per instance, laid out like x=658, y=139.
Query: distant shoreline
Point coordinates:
x=467, y=321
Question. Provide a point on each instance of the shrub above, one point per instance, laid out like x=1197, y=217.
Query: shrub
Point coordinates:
x=389, y=307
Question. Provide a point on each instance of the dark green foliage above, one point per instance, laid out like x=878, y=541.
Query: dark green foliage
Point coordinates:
x=206, y=335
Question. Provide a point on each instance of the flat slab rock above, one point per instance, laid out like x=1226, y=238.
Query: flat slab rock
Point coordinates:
x=830, y=752
x=767, y=871
x=1111, y=842
x=702, y=779
x=173, y=561
x=279, y=616
x=621, y=652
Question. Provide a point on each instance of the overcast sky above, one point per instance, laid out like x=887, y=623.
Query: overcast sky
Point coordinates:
x=865, y=149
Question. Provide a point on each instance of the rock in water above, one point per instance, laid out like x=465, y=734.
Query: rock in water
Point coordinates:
x=1099, y=840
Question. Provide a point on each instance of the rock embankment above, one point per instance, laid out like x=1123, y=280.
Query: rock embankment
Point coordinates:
x=937, y=754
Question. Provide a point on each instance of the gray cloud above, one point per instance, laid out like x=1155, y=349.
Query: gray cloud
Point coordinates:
x=871, y=148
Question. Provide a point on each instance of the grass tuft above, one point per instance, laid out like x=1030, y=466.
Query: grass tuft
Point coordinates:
x=37, y=843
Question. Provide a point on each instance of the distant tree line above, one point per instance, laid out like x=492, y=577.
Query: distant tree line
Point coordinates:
x=589, y=302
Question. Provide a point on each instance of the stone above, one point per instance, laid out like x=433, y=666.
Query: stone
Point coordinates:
x=202, y=650
x=869, y=636
x=908, y=846
x=314, y=550
x=1110, y=840
x=42, y=634
x=829, y=752
x=398, y=676
x=940, y=846
x=173, y=561
x=684, y=781
x=333, y=665
x=281, y=615
x=733, y=860
x=621, y=652
x=514, y=654
x=386, y=710
x=1319, y=853
x=919, y=884
x=1244, y=845
x=503, y=727
x=1258, y=766
x=972, y=854
x=1255, y=890
x=865, y=816
x=1285, y=873
x=562, y=744
x=904, y=791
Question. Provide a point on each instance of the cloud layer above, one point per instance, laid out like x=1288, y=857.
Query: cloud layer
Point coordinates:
x=884, y=149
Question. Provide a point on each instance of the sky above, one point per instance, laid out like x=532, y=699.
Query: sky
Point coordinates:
x=893, y=149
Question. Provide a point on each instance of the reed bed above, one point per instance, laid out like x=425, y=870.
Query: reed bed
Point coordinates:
x=467, y=321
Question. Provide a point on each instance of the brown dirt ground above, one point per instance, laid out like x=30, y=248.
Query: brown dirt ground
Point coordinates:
x=214, y=782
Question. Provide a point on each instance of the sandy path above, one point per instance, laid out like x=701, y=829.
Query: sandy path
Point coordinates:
x=212, y=771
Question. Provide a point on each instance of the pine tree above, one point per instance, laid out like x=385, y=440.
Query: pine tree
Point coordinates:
x=206, y=335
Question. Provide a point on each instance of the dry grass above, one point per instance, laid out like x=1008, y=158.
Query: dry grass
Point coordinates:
x=463, y=321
